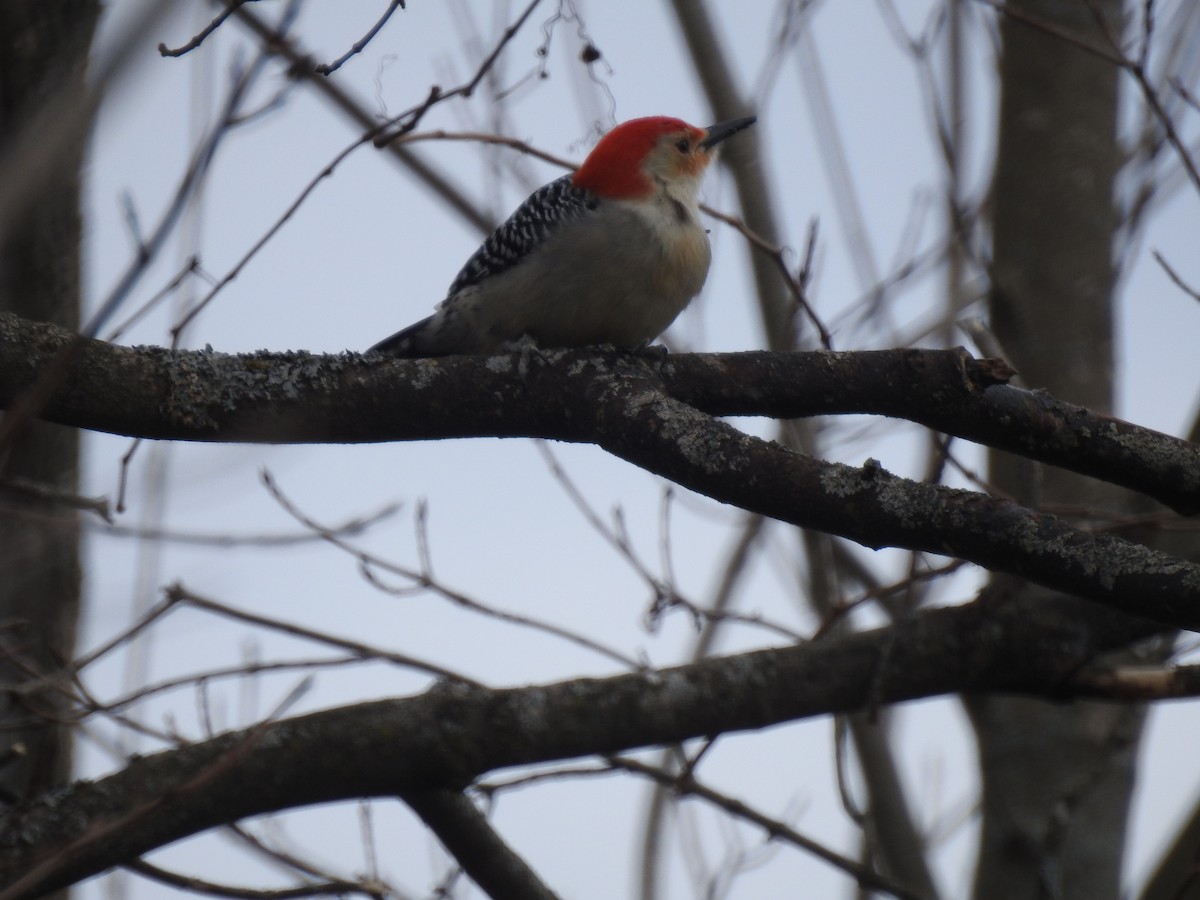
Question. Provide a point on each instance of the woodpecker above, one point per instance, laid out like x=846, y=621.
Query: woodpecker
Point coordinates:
x=608, y=255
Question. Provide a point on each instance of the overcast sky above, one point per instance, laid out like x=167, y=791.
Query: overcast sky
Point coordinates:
x=371, y=250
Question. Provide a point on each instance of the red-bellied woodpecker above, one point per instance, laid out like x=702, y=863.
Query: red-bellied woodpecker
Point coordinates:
x=609, y=255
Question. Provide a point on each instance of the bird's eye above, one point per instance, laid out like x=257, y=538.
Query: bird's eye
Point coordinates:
x=682, y=145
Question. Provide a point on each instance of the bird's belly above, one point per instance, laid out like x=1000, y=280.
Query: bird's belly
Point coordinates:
x=625, y=292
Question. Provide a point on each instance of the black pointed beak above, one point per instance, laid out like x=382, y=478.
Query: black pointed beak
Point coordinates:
x=714, y=134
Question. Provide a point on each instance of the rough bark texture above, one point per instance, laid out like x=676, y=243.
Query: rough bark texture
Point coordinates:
x=44, y=50
x=294, y=397
x=628, y=406
x=1056, y=779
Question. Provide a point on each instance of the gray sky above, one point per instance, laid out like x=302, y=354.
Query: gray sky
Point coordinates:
x=370, y=251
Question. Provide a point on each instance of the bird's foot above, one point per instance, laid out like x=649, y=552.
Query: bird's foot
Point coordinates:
x=651, y=349
x=528, y=350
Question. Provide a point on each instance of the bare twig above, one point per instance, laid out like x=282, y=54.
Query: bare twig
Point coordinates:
x=663, y=589
x=882, y=591
x=1175, y=276
x=796, y=284
x=239, y=670
x=194, y=885
x=424, y=580
x=176, y=593
x=301, y=66
x=188, y=184
x=53, y=496
x=303, y=867
x=407, y=121
x=775, y=828
x=199, y=38
x=360, y=45
x=354, y=526
x=482, y=137
x=191, y=267
x=236, y=270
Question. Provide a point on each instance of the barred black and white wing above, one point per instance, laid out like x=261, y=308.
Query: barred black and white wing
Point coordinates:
x=540, y=215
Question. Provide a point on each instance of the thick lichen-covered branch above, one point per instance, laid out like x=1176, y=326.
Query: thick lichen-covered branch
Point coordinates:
x=659, y=412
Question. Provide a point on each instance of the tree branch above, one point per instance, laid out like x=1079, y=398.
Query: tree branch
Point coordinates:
x=471, y=840
x=298, y=397
x=453, y=733
x=637, y=407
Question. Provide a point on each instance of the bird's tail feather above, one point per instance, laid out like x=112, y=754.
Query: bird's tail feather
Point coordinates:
x=406, y=344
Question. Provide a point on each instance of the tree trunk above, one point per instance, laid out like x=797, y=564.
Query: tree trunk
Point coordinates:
x=43, y=50
x=1057, y=779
